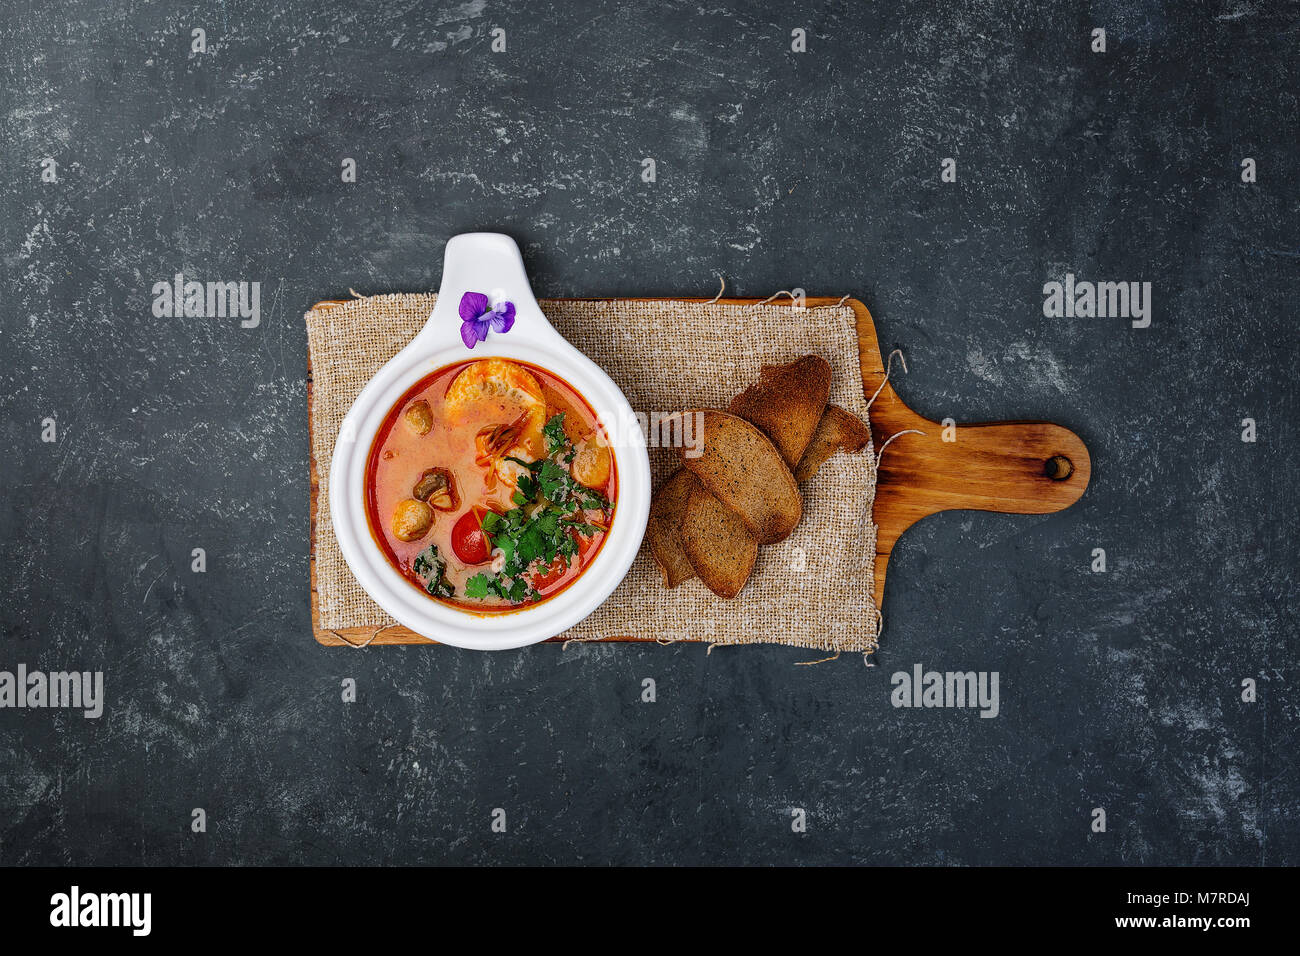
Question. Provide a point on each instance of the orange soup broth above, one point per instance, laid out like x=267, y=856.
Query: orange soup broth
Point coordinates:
x=399, y=456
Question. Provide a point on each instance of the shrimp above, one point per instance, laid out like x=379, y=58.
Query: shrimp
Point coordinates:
x=509, y=398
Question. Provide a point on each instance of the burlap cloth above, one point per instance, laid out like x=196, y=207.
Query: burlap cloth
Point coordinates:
x=811, y=590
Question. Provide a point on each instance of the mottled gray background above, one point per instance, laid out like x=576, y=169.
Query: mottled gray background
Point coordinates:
x=1119, y=690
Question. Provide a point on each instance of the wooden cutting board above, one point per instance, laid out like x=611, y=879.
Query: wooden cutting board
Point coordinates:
x=1012, y=467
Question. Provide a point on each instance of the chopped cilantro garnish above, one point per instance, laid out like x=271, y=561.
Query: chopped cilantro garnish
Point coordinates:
x=479, y=586
x=556, y=440
x=549, y=505
x=484, y=585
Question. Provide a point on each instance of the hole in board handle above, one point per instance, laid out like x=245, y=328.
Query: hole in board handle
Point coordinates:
x=1058, y=468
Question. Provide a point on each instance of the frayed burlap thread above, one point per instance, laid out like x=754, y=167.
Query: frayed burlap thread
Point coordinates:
x=811, y=590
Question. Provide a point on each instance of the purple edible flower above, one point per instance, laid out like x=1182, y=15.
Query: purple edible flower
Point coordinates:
x=477, y=316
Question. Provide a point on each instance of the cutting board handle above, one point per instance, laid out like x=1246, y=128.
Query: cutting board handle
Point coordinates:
x=1011, y=467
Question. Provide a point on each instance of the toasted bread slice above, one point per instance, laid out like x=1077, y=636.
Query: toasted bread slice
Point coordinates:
x=838, y=430
x=744, y=470
x=663, y=531
x=786, y=403
x=716, y=542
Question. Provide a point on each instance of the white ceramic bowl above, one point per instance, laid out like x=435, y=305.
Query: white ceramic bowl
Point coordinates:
x=489, y=263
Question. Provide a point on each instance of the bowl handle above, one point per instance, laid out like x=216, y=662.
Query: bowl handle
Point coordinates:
x=490, y=263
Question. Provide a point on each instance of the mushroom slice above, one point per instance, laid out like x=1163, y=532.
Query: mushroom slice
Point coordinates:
x=438, y=488
x=412, y=520
x=419, y=417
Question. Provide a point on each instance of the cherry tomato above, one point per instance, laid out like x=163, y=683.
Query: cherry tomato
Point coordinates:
x=585, y=542
x=549, y=574
x=468, y=539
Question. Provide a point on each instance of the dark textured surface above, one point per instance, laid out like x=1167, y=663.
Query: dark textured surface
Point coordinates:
x=1119, y=690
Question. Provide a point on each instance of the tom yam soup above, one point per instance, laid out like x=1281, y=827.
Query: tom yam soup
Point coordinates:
x=490, y=485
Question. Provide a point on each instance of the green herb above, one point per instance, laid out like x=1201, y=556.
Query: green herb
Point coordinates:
x=526, y=488
x=428, y=564
x=556, y=440
x=552, y=481
x=581, y=527
x=486, y=585
x=549, y=505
